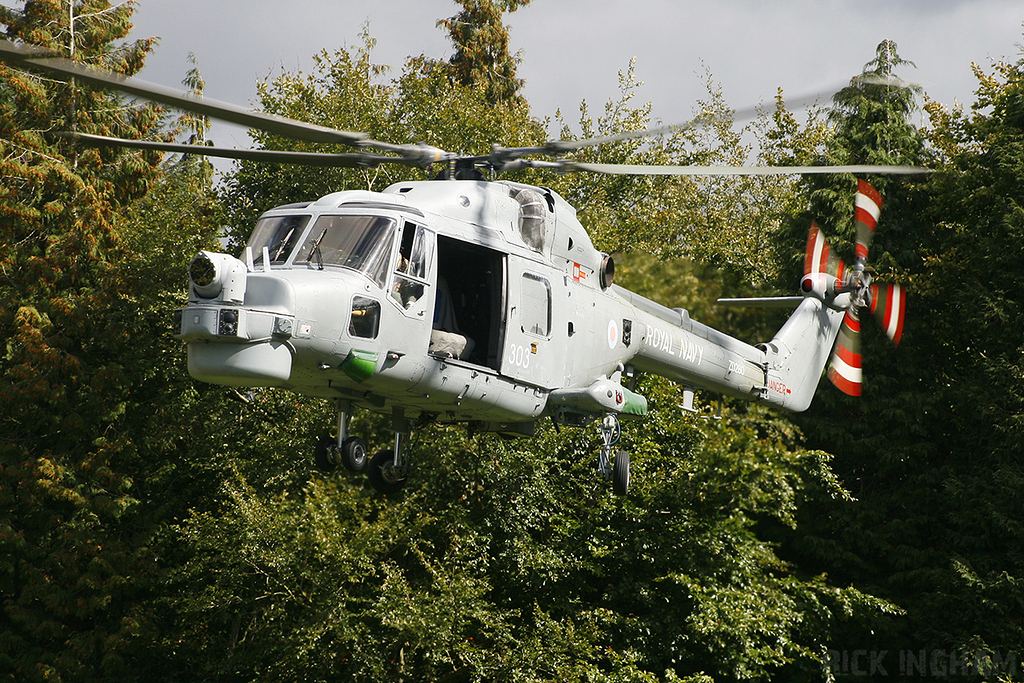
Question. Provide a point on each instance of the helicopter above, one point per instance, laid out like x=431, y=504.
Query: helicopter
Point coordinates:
x=478, y=301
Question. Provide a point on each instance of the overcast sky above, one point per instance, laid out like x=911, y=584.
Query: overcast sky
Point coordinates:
x=572, y=50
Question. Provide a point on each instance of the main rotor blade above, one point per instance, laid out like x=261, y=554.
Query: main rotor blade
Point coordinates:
x=263, y=155
x=634, y=169
x=36, y=58
x=16, y=54
x=702, y=120
x=557, y=147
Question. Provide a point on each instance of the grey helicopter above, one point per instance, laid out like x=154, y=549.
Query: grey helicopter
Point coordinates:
x=478, y=301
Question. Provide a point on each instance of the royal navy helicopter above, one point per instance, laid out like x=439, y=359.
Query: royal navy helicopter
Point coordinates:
x=476, y=301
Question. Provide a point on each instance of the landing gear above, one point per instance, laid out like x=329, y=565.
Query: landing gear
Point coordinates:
x=351, y=454
x=389, y=469
x=617, y=468
x=620, y=473
x=384, y=475
x=349, y=451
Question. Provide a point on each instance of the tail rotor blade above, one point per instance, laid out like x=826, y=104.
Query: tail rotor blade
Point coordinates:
x=820, y=257
x=868, y=205
x=889, y=306
x=845, y=370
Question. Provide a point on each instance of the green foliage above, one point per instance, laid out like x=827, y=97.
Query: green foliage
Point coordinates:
x=482, y=58
x=67, y=382
x=509, y=560
x=933, y=453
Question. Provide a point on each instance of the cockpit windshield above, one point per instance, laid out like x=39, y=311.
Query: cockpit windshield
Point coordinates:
x=362, y=243
x=279, y=234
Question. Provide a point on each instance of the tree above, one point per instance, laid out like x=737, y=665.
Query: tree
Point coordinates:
x=84, y=373
x=501, y=559
x=482, y=58
x=931, y=453
x=510, y=560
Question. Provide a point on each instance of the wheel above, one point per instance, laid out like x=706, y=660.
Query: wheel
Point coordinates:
x=620, y=473
x=353, y=454
x=325, y=455
x=381, y=473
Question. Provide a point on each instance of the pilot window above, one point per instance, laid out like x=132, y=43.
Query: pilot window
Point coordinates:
x=279, y=234
x=535, y=308
x=362, y=243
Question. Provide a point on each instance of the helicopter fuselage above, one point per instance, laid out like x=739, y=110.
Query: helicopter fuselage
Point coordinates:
x=466, y=301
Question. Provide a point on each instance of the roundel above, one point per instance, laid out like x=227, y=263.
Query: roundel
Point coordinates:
x=613, y=334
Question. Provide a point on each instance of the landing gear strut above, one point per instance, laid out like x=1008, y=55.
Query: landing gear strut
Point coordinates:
x=390, y=468
x=349, y=451
x=614, y=467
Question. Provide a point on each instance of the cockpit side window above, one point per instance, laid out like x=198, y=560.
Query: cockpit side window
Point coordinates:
x=279, y=234
x=362, y=243
x=414, y=254
x=420, y=252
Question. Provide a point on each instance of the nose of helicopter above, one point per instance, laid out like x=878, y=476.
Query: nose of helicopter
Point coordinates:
x=260, y=364
x=238, y=324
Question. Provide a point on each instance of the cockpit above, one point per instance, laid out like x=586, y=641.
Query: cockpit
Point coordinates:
x=359, y=243
x=278, y=235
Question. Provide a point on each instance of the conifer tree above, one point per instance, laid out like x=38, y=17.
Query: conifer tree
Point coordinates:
x=482, y=57
x=66, y=557
x=931, y=452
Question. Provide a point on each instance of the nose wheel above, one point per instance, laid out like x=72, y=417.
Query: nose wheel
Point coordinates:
x=351, y=454
x=347, y=451
x=614, y=467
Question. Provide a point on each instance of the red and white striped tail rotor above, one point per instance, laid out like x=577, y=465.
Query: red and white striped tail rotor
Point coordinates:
x=887, y=302
x=867, y=208
x=820, y=257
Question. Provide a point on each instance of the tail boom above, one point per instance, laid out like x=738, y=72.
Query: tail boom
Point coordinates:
x=783, y=372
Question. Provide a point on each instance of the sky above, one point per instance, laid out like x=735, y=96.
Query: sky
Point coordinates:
x=574, y=50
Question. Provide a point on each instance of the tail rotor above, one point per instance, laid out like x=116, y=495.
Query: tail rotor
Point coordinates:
x=826, y=273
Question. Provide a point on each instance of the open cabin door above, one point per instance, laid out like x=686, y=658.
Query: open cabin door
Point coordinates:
x=469, y=303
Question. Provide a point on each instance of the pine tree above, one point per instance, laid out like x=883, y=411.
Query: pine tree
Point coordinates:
x=931, y=452
x=482, y=58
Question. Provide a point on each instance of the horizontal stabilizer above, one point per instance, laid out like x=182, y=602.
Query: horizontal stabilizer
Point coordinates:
x=763, y=302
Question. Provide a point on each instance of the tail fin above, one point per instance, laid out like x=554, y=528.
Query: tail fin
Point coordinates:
x=797, y=355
